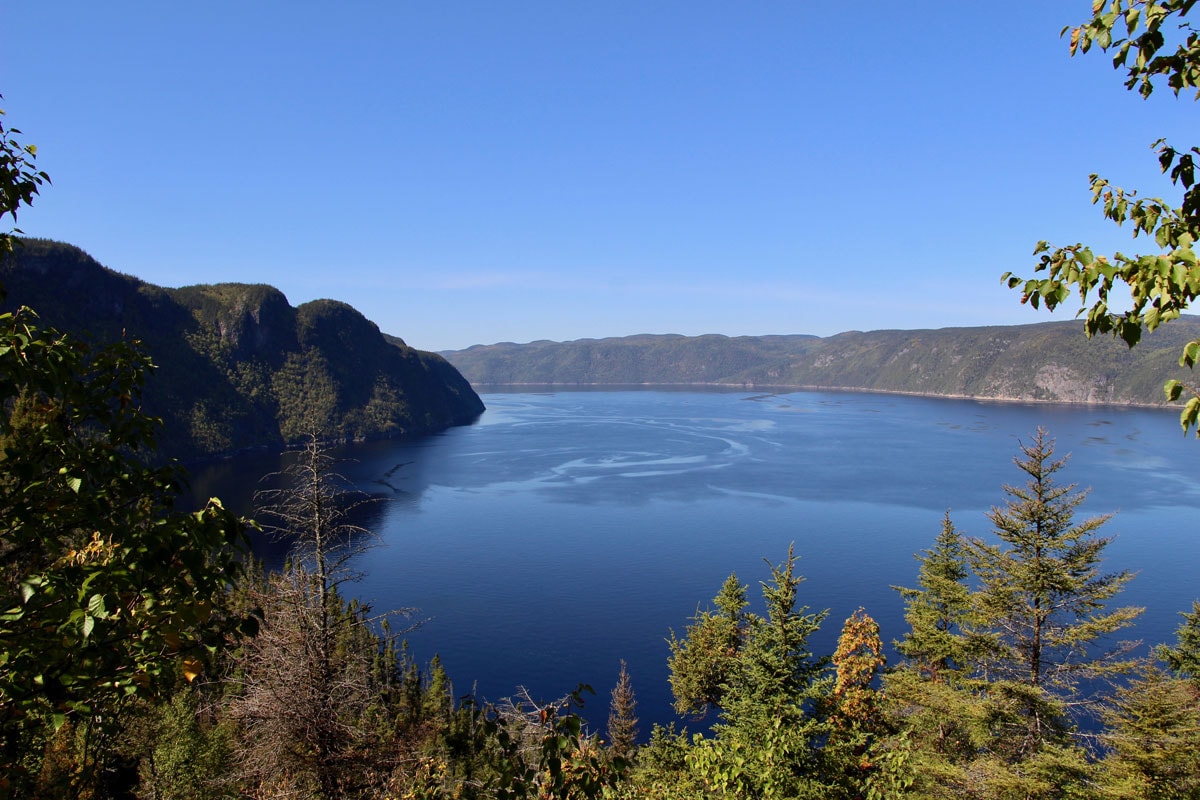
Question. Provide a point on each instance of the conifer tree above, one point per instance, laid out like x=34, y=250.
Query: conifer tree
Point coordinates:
x=1152, y=735
x=1184, y=657
x=939, y=611
x=983, y=702
x=702, y=661
x=776, y=662
x=622, y=722
x=1044, y=597
x=930, y=697
x=308, y=685
x=768, y=741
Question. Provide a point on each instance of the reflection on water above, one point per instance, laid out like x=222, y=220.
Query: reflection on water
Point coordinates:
x=565, y=531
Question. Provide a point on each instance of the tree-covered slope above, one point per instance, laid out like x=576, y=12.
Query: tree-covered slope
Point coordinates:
x=1047, y=361
x=238, y=366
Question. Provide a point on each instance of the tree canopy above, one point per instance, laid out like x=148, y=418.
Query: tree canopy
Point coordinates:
x=1154, y=43
x=107, y=593
x=20, y=180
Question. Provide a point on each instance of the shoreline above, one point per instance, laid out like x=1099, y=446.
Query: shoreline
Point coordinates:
x=779, y=388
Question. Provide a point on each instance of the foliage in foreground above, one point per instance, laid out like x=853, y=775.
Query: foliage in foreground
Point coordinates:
x=1153, y=42
x=106, y=592
x=122, y=673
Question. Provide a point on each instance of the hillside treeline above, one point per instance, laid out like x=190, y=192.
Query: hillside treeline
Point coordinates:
x=1051, y=361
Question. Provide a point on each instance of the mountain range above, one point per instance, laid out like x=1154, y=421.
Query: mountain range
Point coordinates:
x=1049, y=361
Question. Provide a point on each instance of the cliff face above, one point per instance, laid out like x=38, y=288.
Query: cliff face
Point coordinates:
x=1050, y=361
x=238, y=366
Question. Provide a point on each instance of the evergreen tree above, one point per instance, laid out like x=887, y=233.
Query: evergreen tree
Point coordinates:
x=189, y=754
x=1153, y=740
x=1044, y=598
x=983, y=702
x=768, y=741
x=622, y=722
x=930, y=696
x=776, y=663
x=701, y=662
x=1184, y=657
x=939, y=611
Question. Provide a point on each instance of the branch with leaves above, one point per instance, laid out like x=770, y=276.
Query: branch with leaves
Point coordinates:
x=20, y=180
x=1153, y=42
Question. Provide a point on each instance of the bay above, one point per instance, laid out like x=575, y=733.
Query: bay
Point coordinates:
x=565, y=531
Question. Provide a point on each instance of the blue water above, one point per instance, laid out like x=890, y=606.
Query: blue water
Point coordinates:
x=566, y=531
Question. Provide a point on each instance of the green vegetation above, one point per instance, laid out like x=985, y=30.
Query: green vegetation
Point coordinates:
x=1050, y=361
x=142, y=656
x=20, y=182
x=107, y=595
x=236, y=365
x=1009, y=650
x=1153, y=41
x=322, y=701
x=1002, y=662
x=139, y=658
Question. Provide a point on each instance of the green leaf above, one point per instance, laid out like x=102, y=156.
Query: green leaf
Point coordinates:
x=1191, y=352
x=1190, y=414
x=1172, y=389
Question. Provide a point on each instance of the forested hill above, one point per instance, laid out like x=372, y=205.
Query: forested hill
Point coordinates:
x=1048, y=361
x=238, y=366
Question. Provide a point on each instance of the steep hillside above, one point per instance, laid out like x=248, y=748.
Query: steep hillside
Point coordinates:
x=238, y=366
x=1050, y=361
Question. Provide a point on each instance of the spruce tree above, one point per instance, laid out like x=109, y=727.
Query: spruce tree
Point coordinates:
x=701, y=662
x=1153, y=738
x=768, y=741
x=1044, y=598
x=1184, y=657
x=983, y=702
x=931, y=697
x=622, y=722
x=939, y=611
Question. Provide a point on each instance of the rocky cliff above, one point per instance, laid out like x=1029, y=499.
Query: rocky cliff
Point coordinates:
x=237, y=365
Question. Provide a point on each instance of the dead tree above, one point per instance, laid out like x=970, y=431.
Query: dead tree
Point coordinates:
x=307, y=686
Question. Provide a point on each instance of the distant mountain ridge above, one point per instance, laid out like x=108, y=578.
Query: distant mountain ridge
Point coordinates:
x=1049, y=361
x=237, y=365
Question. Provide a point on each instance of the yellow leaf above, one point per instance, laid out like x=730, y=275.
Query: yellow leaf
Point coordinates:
x=192, y=668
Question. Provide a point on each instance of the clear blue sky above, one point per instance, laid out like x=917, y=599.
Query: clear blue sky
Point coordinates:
x=474, y=172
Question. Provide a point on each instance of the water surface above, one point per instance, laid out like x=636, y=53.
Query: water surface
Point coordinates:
x=566, y=531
